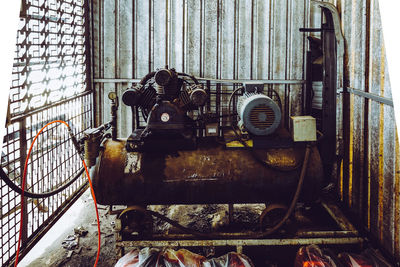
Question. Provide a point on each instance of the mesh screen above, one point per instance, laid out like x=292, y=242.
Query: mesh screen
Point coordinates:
x=49, y=82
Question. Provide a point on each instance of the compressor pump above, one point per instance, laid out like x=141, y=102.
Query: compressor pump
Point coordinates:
x=164, y=100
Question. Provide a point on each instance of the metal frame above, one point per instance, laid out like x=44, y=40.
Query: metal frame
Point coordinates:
x=51, y=79
x=371, y=96
x=346, y=235
x=219, y=81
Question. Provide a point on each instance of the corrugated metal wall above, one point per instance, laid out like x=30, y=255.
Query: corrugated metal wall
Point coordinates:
x=229, y=39
x=369, y=181
x=253, y=39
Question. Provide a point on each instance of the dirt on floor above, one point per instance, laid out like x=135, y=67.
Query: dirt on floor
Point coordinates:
x=205, y=218
x=84, y=253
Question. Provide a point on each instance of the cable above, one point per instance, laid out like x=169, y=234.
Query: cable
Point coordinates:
x=295, y=197
x=23, y=190
x=17, y=189
x=190, y=76
x=148, y=76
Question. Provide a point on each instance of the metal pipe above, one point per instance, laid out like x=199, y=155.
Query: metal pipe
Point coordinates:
x=300, y=234
x=230, y=81
x=241, y=242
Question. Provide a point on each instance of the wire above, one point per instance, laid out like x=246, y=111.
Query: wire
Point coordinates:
x=23, y=190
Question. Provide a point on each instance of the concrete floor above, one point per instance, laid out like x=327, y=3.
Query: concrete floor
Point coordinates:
x=49, y=250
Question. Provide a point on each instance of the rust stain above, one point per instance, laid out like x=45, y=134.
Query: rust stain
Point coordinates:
x=341, y=181
x=397, y=198
x=351, y=151
x=354, y=10
x=372, y=31
x=369, y=188
x=381, y=145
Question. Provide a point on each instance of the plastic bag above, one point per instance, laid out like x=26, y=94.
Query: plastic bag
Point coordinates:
x=151, y=257
x=312, y=256
x=355, y=260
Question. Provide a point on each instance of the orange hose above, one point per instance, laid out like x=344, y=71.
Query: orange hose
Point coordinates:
x=23, y=188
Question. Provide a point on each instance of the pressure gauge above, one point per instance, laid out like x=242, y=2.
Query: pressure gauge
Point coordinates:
x=112, y=95
x=164, y=117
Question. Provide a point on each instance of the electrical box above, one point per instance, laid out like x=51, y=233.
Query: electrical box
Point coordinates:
x=303, y=128
x=212, y=129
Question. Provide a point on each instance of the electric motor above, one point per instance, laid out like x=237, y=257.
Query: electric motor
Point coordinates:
x=259, y=114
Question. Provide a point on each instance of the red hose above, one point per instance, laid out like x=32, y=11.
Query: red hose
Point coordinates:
x=23, y=188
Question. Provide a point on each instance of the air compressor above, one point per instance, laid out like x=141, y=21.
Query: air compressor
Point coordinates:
x=174, y=157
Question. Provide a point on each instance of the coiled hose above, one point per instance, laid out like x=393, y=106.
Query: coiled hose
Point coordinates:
x=23, y=192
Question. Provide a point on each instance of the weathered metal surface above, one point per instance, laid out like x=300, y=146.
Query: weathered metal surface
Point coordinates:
x=371, y=171
x=231, y=39
x=210, y=174
x=227, y=39
x=221, y=81
x=242, y=242
x=339, y=217
x=377, y=98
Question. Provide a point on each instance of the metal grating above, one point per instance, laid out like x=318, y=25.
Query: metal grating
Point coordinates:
x=49, y=82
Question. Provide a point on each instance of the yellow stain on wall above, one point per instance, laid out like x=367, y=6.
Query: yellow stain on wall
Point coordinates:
x=397, y=198
x=351, y=151
x=381, y=144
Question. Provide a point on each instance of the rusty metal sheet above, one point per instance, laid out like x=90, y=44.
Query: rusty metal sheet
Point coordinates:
x=97, y=54
x=142, y=23
x=177, y=34
x=194, y=37
x=375, y=197
x=397, y=198
x=160, y=32
x=109, y=67
x=125, y=67
x=296, y=43
x=210, y=40
x=245, y=31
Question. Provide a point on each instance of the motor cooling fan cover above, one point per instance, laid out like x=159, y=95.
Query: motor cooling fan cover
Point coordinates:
x=259, y=114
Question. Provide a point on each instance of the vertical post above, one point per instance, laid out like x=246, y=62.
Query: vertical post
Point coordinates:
x=328, y=146
x=230, y=213
x=218, y=106
x=114, y=109
x=365, y=209
x=208, y=90
x=307, y=101
x=114, y=106
x=23, y=145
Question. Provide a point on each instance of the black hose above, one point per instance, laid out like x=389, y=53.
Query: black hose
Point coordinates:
x=190, y=76
x=17, y=189
x=148, y=76
x=295, y=197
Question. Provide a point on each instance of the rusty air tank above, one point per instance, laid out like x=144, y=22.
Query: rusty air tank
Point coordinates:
x=182, y=154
